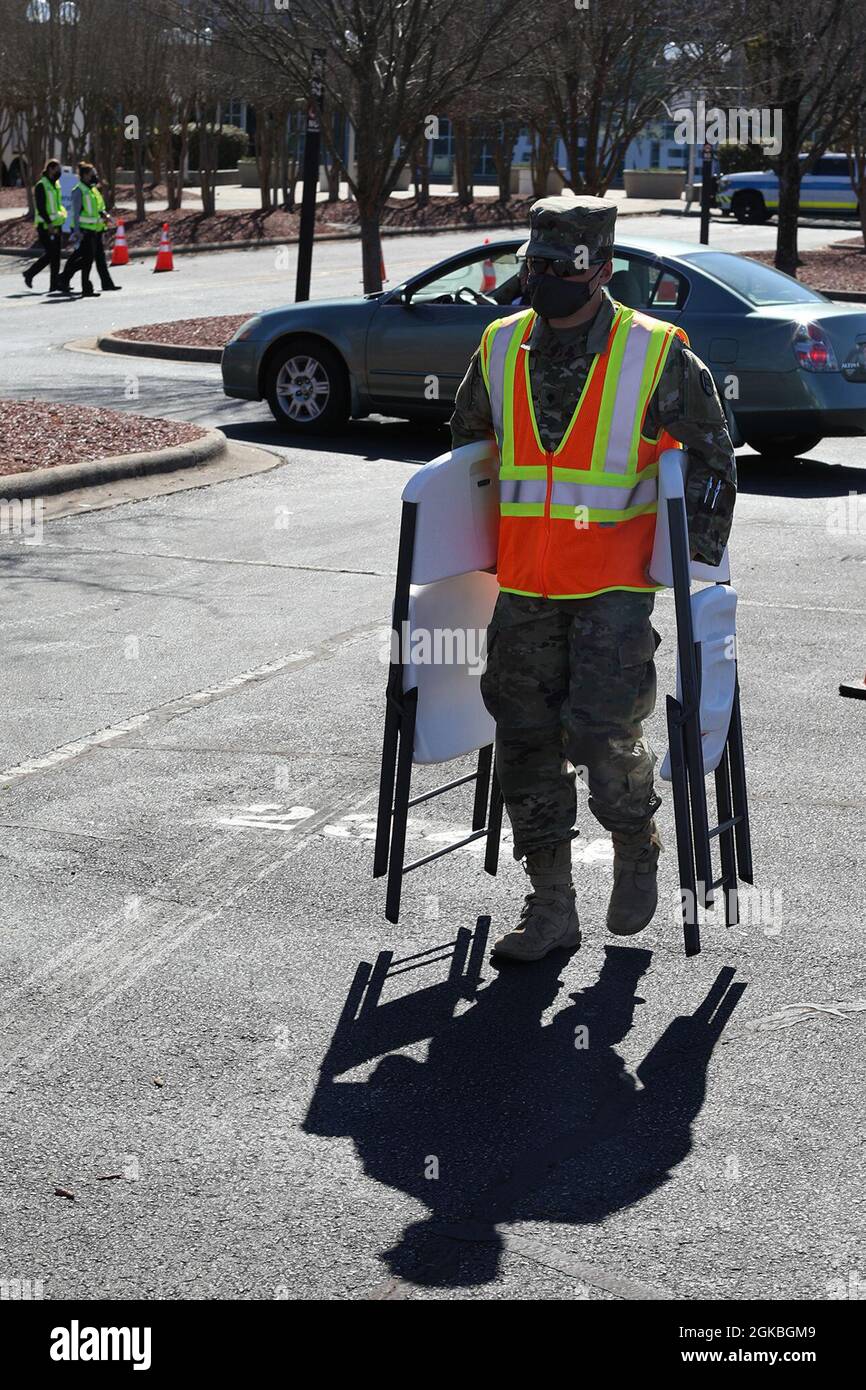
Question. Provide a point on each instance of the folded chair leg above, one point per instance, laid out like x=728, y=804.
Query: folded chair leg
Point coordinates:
x=685, y=844
x=386, y=789
x=401, y=807
x=494, y=825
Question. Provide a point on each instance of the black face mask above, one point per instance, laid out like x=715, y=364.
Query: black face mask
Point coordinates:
x=554, y=298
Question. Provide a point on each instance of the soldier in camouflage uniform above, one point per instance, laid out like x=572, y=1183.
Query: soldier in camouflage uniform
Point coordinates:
x=570, y=681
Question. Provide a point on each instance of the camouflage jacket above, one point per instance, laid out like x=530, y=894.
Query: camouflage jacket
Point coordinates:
x=685, y=402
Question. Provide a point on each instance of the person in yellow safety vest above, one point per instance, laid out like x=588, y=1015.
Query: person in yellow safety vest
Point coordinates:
x=49, y=219
x=582, y=394
x=89, y=220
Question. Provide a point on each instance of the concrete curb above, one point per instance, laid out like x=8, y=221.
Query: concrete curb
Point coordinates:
x=66, y=477
x=174, y=352
x=351, y=234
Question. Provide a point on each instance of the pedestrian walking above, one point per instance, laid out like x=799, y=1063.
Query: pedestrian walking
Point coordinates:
x=89, y=220
x=583, y=395
x=49, y=218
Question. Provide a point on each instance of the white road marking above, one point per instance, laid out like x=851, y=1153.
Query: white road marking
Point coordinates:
x=159, y=714
x=358, y=826
x=269, y=818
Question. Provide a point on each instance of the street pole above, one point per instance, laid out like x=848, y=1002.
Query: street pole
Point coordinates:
x=706, y=192
x=312, y=141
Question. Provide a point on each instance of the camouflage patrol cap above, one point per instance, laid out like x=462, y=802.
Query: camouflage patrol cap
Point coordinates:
x=558, y=226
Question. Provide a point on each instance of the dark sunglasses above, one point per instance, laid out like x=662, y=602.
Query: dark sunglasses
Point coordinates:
x=539, y=265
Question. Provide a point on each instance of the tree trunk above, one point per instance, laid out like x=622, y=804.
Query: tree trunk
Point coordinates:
x=182, y=156
x=787, y=259
x=138, y=178
x=422, y=178
x=541, y=163
x=462, y=163
x=264, y=154
x=503, y=153
x=207, y=142
x=371, y=249
x=333, y=182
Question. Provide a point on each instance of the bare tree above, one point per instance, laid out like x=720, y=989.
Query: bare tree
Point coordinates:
x=614, y=68
x=389, y=65
x=800, y=63
x=40, y=46
x=852, y=136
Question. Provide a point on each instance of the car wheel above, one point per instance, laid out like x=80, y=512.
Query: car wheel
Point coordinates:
x=782, y=448
x=749, y=207
x=307, y=387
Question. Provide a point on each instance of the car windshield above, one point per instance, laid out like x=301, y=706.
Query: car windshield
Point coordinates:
x=760, y=284
x=486, y=273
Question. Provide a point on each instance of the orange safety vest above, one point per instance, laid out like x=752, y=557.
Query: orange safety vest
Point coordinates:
x=579, y=520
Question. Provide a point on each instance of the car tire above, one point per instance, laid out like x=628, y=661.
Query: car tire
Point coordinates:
x=749, y=206
x=784, y=448
x=307, y=387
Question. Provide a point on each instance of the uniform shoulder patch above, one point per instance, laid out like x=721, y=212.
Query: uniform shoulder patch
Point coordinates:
x=707, y=382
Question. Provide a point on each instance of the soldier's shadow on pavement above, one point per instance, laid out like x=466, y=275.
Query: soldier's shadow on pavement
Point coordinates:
x=510, y=1117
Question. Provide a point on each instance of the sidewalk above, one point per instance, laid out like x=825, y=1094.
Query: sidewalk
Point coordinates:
x=234, y=198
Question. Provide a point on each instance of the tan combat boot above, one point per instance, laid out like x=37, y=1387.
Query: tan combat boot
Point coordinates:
x=635, y=894
x=549, y=917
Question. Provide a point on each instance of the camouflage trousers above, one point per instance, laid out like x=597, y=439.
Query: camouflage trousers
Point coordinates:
x=569, y=681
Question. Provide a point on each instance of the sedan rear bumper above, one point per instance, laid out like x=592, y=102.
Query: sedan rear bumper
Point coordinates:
x=800, y=402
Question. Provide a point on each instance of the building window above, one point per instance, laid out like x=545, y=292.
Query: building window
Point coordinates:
x=232, y=112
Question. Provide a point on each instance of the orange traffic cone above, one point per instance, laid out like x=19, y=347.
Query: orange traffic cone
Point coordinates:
x=382, y=276
x=164, y=259
x=488, y=272
x=120, y=250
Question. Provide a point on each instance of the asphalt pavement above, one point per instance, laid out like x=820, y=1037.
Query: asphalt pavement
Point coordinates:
x=254, y=1085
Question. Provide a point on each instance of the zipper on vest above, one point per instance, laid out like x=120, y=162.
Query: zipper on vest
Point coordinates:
x=548, y=458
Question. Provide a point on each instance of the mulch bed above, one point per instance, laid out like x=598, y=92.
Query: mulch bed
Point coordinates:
x=840, y=266
x=212, y=332
x=42, y=434
x=13, y=197
x=187, y=227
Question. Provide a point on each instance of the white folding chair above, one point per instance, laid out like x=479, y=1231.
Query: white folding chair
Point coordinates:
x=704, y=721
x=443, y=601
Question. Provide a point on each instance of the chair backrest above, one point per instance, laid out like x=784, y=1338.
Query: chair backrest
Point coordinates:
x=672, y=466
x=457, y=522
x=445, y=657
x=714, y=623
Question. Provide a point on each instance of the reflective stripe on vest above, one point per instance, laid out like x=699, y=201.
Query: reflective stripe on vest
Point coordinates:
x=53, y=206
x=578, y=520
x=92, y=208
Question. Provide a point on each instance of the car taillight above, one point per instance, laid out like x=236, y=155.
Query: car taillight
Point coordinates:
x=813, y=349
